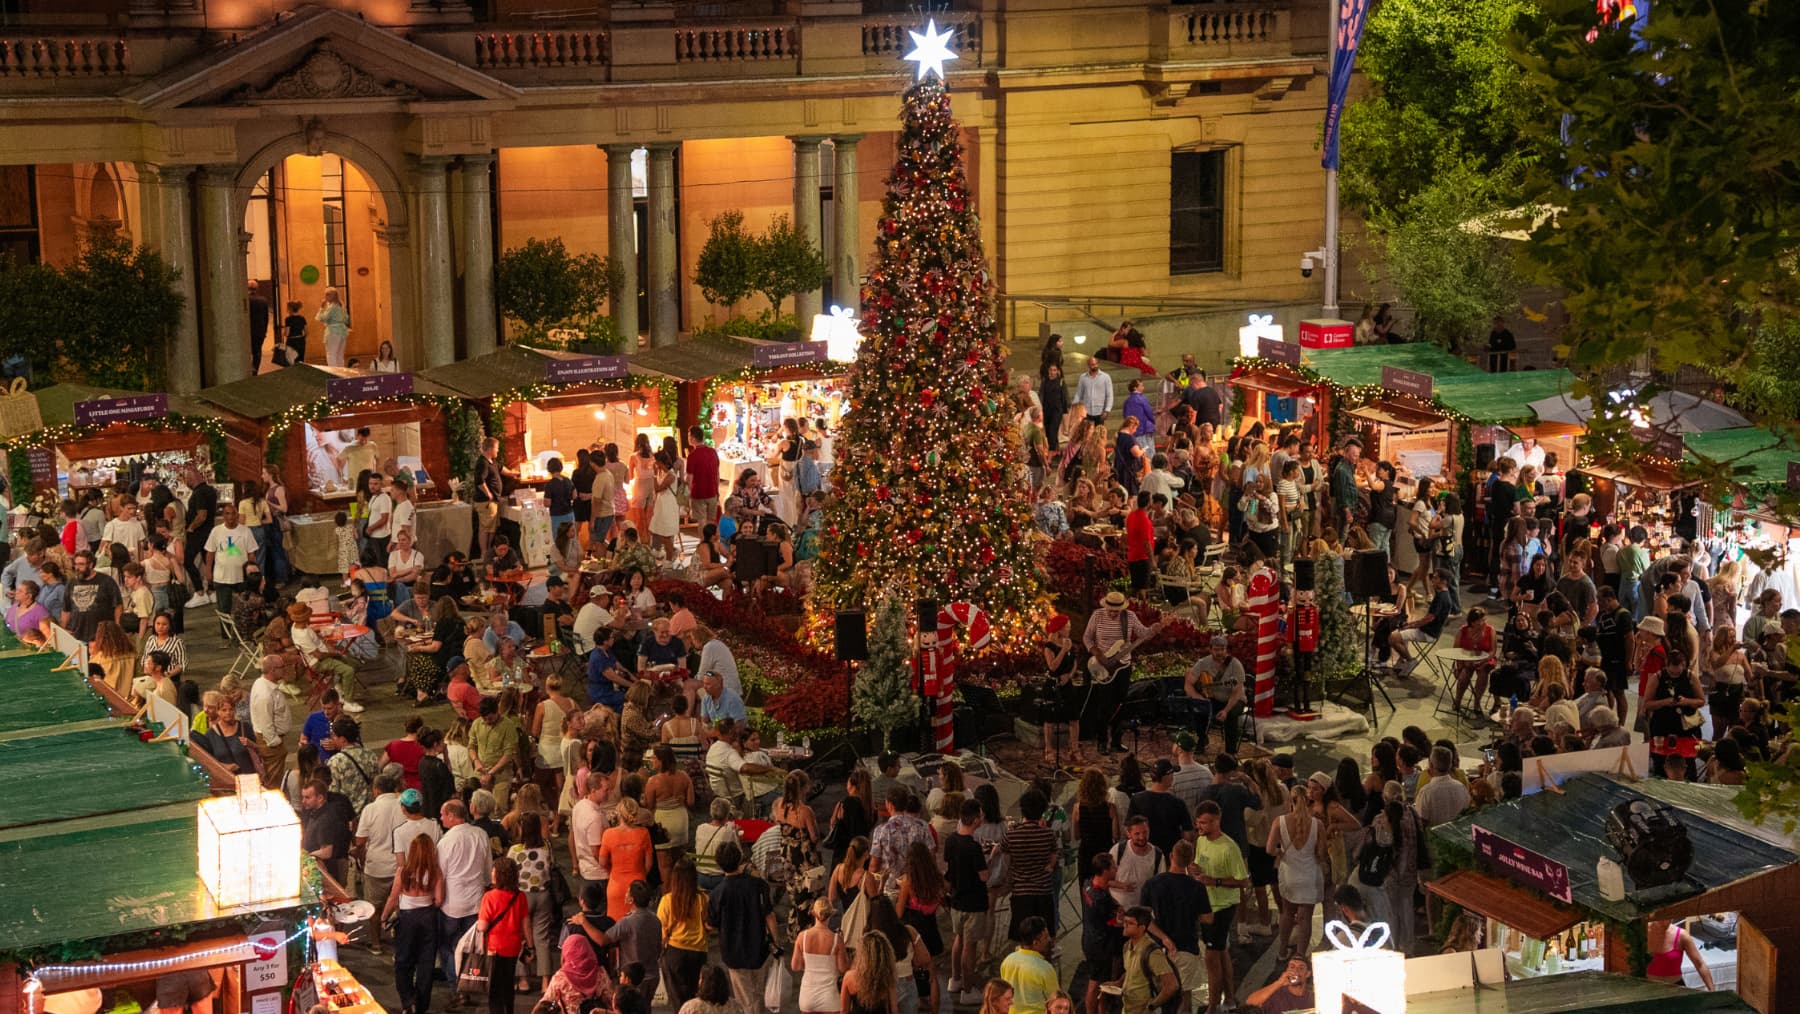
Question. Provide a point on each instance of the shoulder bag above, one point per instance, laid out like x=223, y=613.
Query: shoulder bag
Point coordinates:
x=472, y=979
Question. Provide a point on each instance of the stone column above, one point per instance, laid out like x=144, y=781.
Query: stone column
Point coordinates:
x=437, y=317
x=175, y=232
x=846, y=225
x=225, y=311
x=621, y=240
x=478, y=254
x=665, y=264
x=806, y=219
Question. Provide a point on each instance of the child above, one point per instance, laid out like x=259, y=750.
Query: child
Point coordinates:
x=295, y=339
x=630, y=998
x=346, y=543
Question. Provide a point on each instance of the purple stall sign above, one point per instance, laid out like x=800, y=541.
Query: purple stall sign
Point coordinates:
x=102, y=411
x=1521, y=865
x=1279, y=351
x=1406, y=382
x=43, y=466
x=585, y=369
x=787, y=354
x=1794, y=475
x=369, y=388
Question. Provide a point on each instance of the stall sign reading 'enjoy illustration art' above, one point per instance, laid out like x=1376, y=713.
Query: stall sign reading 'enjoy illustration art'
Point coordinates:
x=585, y=369
x=43, y=464
x=788, y=354
x=370, y=387
x=1521, y=865
x=1406, y=381
x=101, y=411
x=1279, y=351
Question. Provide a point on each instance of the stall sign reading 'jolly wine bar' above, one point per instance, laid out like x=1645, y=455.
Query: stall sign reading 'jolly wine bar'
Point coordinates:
x=1278, y=350
x=1521, y=865
x=102, y=411
x=788, y=354
x=370, y=387
x=585, y=369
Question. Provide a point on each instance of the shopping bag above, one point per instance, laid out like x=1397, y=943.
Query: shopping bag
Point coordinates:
x=775, y=987
x=472, y=972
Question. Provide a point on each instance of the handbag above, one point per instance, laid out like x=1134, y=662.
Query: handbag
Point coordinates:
x=1373, y=862
x=472, y=978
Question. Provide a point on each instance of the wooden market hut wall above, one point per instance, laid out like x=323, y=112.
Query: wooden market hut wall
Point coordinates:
x=274, y=409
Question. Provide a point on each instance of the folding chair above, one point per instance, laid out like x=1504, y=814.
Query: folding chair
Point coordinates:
x=249, y=657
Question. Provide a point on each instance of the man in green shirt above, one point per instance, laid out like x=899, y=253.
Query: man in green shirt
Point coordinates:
x=1150, y=981
x=1223, y=873
x=494, y=746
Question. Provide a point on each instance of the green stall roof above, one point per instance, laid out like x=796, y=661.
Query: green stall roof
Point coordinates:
x=1361, y=366
x=1569, y=827
x=1758, y=457
x=1489, y=398
x=697, y=359
x=267, y=395
x=62, y=776
x=38, y=695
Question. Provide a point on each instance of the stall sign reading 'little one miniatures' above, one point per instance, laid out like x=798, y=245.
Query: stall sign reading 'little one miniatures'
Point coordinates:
x=584, y=369
x=788, y=354
x=1521, y=865
x=101, y=411
x=1406, y=381
x=370, y=387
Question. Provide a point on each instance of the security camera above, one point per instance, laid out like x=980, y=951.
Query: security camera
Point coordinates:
x=1306, y=267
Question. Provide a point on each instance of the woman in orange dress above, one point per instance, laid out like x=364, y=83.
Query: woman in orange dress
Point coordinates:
x=628, y=854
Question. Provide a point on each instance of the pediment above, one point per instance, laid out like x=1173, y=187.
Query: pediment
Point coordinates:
x=318, y=55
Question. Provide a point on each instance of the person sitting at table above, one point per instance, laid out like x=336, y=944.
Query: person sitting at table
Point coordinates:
x=454, y=577
x=762, y=779
x=1519, y=654
x=509, y=664
x=1229, y=595
x=464, y=696
x=1475, y=636
x=636, y=732
x=637, y=591
x=718, y=702
x=410, y=615
x=592, y=621
x=712, y=561
x=748, y=503
x=498, y=628
x=321, y=657
x=660, y=647
x=607, y=680
x=556, y=604
x=428, y=660
x=366, y=646
x=1179, y=576
x=313, y=595
x=681, y=618
x=26, y=617
x=784, y=575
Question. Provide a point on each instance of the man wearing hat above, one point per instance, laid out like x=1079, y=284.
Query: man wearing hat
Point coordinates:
x=1215, y=683
x=1112, y=633
x=321, y=657
x=412, y=804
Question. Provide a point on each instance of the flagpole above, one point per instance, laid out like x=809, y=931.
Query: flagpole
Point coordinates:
x=1331, y=181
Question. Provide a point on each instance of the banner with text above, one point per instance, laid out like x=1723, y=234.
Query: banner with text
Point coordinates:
x=586, y=369
x=788, y=354
x=1406, y=382
x=370, y=387
x=1278, y=351
x=1521, y=865
x=101, y=411
x=1350, y=17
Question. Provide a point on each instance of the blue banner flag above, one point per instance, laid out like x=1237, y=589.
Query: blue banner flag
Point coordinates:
x=1350, y=18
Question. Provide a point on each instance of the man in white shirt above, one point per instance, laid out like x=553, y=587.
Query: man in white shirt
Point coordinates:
x=1191, y=776
x=590, y=618
x=405, y=511
x=1527, y=452
x=381, y=518
x=230, y=554
x=1136, y=861
x=322, y=657
x=376, y=824
x=272, y=716
x=715, y=656
x=467, y=861
x=412, y=805
x=1094, y=393
x=1443, y=798
x=587, y=821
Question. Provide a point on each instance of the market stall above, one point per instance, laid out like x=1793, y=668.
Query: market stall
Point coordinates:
x=546, y=404
x=740, y=390
x=1747, y=523
x=94, y=437
x=307, y=421
x=1266, y=388
x=1547, y=884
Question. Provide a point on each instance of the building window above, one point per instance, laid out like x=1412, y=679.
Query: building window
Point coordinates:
x=1196, y=212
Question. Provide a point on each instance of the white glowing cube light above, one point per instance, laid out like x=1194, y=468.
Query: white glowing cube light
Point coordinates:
x=838, y=330
x=1262, y=325
x=1361, y=970
x=249, y=847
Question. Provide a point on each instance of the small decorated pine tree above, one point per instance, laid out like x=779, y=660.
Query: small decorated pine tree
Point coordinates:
x=881, y=696
x=1340, y=641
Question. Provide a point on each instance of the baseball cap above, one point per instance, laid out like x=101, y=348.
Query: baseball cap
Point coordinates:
x=1285, y=761
x=411, y=797
x=1163, y=769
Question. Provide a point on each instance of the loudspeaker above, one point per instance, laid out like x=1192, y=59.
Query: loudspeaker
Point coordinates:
x=851, y=636
x=1303, y=574
x=927, y=612
x=1652, y=840
x=750, y=559
x=1484, y=456
x=1366, y=576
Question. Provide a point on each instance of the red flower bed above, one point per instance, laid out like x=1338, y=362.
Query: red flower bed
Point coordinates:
x=1080, y=574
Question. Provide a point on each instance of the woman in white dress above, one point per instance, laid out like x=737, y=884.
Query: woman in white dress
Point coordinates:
x=665, y=509
x=337, y=327
x=819, y=958
x=1298, y=844
x=782, y=464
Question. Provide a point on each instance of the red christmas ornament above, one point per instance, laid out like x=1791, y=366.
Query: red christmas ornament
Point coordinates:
x=927, y=396
x=882, y=493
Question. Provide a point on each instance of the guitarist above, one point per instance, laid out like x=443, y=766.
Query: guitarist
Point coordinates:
x=1216, y=684
x=1113, y=631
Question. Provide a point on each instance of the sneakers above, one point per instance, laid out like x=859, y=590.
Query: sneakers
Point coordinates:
x=353, y=707
x=969, y=998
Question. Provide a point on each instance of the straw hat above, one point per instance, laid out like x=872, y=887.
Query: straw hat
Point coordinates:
x=1652, y=625
x=1114, y=600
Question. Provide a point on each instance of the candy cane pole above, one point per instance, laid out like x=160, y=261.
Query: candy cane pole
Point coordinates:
x=1263, y=601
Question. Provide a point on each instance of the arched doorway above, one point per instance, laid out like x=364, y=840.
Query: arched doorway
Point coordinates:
x=321, y=210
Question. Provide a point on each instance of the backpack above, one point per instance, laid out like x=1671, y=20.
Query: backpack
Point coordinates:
x=1174, y=1004
x=1158, y=862
x=1373, y=862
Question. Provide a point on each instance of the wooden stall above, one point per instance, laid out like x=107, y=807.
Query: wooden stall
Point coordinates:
x=96, y=436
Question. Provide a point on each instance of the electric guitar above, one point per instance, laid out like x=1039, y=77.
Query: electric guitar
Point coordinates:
x=1105, y=667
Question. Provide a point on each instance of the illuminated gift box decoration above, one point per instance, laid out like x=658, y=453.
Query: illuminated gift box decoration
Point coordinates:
x=1361, y=970
x=838, y=330
x=1262, y=325
x=249, y=847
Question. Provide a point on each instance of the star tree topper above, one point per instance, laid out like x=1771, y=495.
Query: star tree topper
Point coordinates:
x=930, y=50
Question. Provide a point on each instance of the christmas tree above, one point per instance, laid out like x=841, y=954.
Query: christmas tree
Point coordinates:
x=930, y=500
x=1340, y=640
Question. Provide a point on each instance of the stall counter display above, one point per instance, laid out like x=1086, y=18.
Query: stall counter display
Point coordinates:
x=532, y=515
x=439, y=528
x=746, y=417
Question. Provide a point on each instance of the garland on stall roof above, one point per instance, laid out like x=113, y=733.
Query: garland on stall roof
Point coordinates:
x=18, y=473
x=325, y=408
x=1358, y=392
x=68, y=433
x=759, y=375
x=668, y=397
